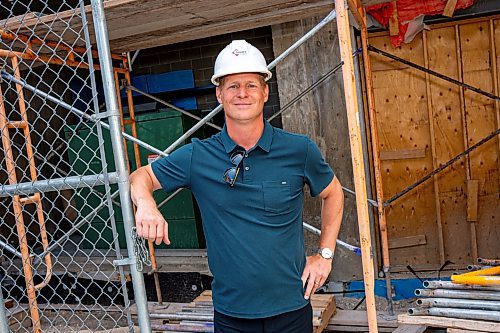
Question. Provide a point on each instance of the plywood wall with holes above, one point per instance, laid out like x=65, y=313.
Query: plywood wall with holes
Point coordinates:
x=423, y=122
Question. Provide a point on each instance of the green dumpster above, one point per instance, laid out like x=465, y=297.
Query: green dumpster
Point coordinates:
x=159, y=129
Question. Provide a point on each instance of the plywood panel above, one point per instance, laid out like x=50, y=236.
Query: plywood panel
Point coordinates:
x=403, y=123
x=456, y=230
x=445, y=100
x=481, y=117
x=401, y=105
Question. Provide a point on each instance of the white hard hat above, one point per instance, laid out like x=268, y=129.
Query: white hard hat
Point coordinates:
x=239, y=57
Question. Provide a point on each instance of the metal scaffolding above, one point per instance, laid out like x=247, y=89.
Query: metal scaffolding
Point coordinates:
x=83, y=181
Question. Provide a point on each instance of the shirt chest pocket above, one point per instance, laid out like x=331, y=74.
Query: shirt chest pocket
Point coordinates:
x=277, y=196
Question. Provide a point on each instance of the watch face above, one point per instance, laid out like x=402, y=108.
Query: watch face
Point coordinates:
x=326, y=253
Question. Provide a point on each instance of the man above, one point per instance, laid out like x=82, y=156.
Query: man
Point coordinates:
x=248, y=181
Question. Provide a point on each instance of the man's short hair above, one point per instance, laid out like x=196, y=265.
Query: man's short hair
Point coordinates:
x=262, y=79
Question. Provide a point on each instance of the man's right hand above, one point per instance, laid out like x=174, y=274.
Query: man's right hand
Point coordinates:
x=150, y=223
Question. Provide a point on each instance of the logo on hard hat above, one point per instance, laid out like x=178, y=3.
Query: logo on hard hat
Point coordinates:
x=237, y=52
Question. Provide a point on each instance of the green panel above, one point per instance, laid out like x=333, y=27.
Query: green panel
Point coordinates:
x=158, y=129
x=182, y=233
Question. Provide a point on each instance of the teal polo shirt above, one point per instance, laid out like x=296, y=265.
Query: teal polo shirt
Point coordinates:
x=254, y=233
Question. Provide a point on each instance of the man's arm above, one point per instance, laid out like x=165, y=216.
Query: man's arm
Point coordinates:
x=317, y=268
x=149, y=221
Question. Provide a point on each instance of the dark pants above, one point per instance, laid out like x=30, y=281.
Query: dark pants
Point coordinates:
x=298, y=321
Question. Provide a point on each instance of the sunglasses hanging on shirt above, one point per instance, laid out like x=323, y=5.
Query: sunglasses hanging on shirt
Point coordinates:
x=231, y=174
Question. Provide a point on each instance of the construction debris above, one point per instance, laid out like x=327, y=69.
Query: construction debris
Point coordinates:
x=197, y=316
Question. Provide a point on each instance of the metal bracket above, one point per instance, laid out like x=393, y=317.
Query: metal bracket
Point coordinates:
x=100, y=115
x=124, y=262
x=129, y=262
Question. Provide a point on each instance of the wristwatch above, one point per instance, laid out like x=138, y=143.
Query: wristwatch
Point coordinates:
x=326, y=253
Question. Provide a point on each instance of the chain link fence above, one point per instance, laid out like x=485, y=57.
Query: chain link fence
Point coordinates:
x=60, y=211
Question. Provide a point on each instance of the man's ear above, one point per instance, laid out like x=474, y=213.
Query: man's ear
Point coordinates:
x=266, y=93
x=218, y=93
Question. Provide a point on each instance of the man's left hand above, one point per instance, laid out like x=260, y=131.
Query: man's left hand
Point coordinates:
x=315, y=274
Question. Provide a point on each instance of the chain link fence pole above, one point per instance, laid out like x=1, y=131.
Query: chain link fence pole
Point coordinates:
x=119, y=154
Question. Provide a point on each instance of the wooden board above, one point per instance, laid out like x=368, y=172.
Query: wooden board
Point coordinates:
x=407, y=241
x=407, y=328
x=402, y=154
x=323, y=305
x=458, y=330
x=134, y=24
x=465, y=324
x=357, y=321
x=472, y=190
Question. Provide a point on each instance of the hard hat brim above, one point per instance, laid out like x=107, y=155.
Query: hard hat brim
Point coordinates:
x=215, y=78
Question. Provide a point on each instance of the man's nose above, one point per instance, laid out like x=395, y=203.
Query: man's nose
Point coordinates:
x=242, y=92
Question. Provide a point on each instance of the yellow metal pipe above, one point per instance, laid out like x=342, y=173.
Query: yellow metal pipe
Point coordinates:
x=487, y=271
x=476, y=280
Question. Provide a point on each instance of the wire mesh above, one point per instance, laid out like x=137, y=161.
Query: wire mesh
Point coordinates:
x=57, y=242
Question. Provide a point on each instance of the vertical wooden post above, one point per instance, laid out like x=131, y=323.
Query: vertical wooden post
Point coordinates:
x=382, y=221
x=357, y=160
x=494, y=69
x=434, y=155
x=463, y=112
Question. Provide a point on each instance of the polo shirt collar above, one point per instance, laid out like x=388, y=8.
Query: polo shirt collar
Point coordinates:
x=264, y=142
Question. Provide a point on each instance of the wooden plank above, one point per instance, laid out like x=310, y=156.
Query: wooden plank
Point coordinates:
x=434, y=154
x=134, y=24
x=401, y=154
x=409, y=241
x=465, y=324
x=472, y=193
x=364, y=329
x=407, y=328
x=449, y=9
x=458, y=330
x=353, y=116
x=359, y=318
x=356, y=7
x=327, y=311
x=324, y=307
x=393, y=20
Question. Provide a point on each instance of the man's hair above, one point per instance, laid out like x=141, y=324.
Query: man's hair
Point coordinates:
x=262, y=79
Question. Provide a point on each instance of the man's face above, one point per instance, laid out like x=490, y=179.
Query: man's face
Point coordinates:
x=243, y=96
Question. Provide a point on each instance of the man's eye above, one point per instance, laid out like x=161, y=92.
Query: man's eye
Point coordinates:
x=233, y=86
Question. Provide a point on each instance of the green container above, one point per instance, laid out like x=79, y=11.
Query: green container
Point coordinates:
x=158, y=129
x=182, y=234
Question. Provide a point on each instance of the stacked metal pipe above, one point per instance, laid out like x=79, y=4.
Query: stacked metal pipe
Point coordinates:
x=447, y=299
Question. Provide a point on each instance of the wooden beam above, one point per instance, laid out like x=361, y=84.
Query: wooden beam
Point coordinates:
x=184, y=33
x=402, y=154
x=353, y=120
x=430, y=111
x=135, y=24
x=466, y=324
x=472, y=194
x=463, y=113
x=409, y=241
x=449, y=9
x=407, y=328
x=393, y=20
x=382, y=220
x=356, y=9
